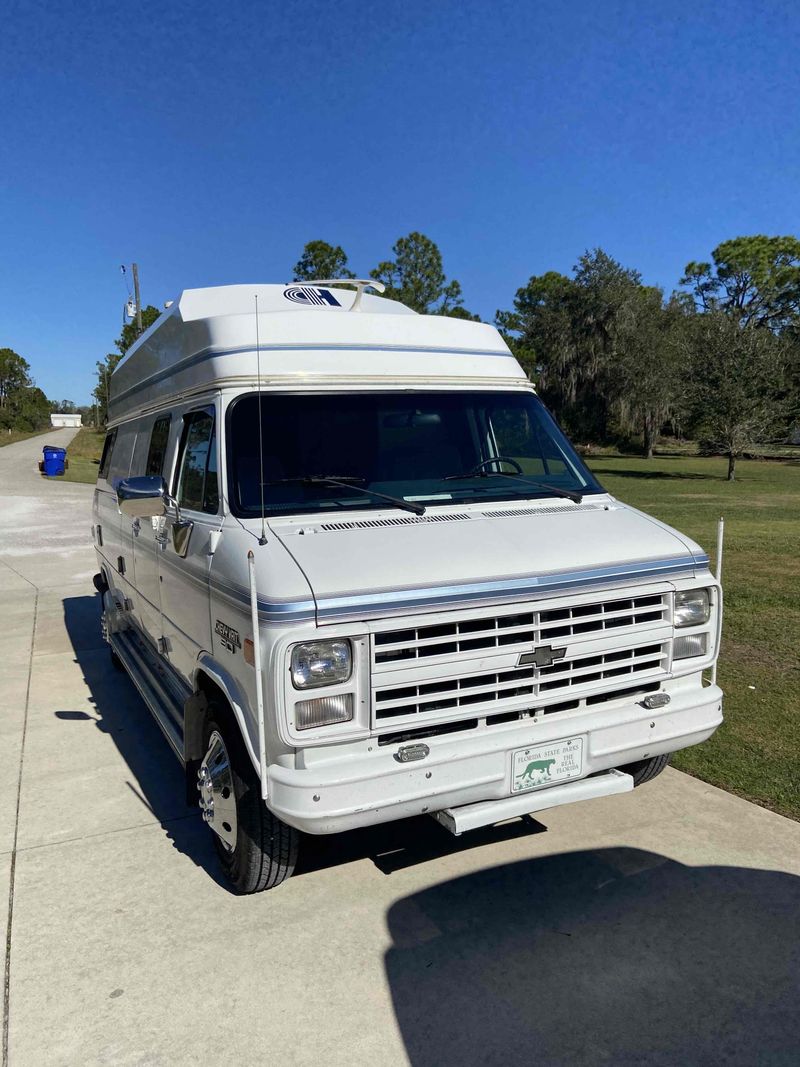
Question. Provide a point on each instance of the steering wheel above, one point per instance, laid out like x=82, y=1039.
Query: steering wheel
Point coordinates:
x=479, y=468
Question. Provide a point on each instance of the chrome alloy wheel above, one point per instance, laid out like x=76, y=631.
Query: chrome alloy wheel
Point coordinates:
x=217, y=800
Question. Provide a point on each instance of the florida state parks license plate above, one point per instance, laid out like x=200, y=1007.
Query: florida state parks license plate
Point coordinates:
x=542, y=765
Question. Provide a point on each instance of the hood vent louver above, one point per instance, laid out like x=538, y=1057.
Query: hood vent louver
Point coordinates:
x=559, y=509
x=458, y=516
x=410, y=520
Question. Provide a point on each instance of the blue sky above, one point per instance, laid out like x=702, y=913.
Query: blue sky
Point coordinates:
x=209, y=142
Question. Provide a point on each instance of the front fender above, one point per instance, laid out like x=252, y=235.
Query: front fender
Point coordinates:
x=230, y=688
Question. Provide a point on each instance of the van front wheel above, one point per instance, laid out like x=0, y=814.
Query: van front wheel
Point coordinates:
x=646, y=769
x=256, y=850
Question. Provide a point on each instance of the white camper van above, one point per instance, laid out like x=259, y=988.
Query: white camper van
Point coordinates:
x=358, y=574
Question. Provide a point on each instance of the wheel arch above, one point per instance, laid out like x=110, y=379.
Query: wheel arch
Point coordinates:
x=213, y=682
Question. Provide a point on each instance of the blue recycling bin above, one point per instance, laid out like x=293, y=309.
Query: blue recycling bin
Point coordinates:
x=54, y=460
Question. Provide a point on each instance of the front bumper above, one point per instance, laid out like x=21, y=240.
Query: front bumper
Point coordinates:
x=370, y=786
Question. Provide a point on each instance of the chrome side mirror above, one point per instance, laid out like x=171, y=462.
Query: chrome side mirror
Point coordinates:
x=143, y=497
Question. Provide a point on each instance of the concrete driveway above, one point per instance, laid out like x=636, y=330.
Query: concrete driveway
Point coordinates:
x=659, y=927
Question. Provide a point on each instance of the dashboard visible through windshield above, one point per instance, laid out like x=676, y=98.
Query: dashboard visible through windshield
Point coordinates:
x=434, y=448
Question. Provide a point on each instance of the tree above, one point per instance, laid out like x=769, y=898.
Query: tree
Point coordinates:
x=539, y=330
x=651, y=366
x=14, y=374
x=566, y=332
x=740, y=385
x=460, y=312
x=105, y=367
x=416, y=277
x=602, y=347
x=27, y=409
x=507, y=322
x=321, y=261
x=755, y=279
x=130, y=333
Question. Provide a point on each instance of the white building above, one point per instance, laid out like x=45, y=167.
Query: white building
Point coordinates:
x=59, y=421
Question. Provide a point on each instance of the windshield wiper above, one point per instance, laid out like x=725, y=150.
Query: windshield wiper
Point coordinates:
x=480, y=472
x=346, y=481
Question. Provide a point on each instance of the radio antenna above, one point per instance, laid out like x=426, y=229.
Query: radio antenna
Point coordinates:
x=263, y=538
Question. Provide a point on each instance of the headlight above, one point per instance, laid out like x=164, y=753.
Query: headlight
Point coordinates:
x=692, y=607
x=316, y=663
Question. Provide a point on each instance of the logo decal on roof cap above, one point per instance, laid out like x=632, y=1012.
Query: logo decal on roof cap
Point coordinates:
x=305, y=294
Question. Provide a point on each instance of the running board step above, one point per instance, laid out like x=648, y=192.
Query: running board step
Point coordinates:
x=165, y=708
x=488, y=812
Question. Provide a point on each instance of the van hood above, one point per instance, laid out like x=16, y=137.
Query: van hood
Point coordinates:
x=377, y=564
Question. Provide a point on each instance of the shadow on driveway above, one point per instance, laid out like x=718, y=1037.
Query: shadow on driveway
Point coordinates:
x=614, y=956
x=395, y=846
x=156, y=776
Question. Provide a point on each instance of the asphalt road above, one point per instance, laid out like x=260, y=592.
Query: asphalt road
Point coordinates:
x=659, y=927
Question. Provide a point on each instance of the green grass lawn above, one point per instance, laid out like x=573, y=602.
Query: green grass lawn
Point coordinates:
x=756, y=752
x=83, y=453
x=10, y=437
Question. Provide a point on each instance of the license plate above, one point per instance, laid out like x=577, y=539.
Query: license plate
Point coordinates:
x=540, y=765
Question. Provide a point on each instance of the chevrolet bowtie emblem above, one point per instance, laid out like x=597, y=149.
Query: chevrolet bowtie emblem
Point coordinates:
x=541, y=657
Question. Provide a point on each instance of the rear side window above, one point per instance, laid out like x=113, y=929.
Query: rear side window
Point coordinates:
x=105, y=459
x=158, y=447
x=197, y=466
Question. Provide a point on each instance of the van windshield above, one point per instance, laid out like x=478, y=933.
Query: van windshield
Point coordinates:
x=431, y=448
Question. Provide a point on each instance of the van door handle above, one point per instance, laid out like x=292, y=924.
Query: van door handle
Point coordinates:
x=135, y=527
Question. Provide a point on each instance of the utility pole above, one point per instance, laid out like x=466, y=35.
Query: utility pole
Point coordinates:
x=137, y=298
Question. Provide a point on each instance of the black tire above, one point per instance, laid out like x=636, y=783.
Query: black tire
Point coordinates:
x=266, y=848
x=116, y=662
x=645, y=770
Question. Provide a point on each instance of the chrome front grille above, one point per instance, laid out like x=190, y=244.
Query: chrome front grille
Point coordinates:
x=447, y=639
x=470, y=665
x=526, y=682
x=609, y=615
x=588, y=669
x=522, y=628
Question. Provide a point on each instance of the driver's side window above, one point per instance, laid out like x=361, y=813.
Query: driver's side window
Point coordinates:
x=197, y=486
